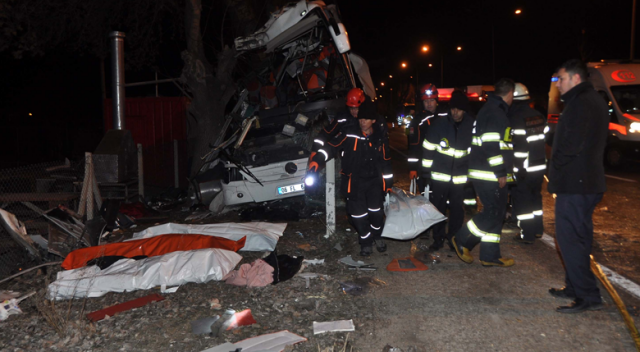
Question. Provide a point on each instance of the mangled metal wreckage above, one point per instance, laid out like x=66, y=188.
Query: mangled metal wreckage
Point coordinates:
x=304, y=71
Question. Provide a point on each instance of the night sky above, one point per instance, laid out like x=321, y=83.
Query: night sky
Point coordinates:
x=63, y=92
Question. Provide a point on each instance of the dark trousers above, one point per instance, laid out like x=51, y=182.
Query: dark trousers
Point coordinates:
x=574, y=233
x=469, y=195
x=527, y=205
x=486, y=226
x=447, y=195
x=365, y=208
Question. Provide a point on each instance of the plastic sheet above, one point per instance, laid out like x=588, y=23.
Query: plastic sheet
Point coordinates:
x=149, y=247
x=261, y=236
x=408, y=215
x=171, y=269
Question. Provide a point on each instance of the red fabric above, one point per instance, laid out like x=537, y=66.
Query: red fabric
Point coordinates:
x=136, y=303
x=150, y=247
x=135, y=210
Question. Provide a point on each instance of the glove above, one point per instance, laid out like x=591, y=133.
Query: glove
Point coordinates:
x=413, y=174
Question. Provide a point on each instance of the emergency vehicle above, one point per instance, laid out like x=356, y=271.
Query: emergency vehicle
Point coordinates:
x=618, y=83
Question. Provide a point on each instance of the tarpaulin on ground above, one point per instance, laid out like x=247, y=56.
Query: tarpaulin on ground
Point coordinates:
x=172, y=269
x=408, y=215
x=150, y=247
x=261, y=236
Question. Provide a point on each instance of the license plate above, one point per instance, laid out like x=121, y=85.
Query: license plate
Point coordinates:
x=291, y=189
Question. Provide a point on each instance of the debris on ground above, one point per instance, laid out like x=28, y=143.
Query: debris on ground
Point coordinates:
x=356, y=264
x=113, y=310
x=285, y=267
x=406, y=264
x=313, y=261
x=203, y=326
x=330, y=326
x=10, y=306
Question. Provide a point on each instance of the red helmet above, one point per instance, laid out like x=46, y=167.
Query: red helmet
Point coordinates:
x=428, y=91
x=355, y=97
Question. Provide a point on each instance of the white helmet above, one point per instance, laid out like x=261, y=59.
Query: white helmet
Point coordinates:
x=521, y=92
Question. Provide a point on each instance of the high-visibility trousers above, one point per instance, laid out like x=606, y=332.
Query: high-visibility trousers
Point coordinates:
x=447, y=195
x=365, y=208
x=486, y=226
x=527, y=205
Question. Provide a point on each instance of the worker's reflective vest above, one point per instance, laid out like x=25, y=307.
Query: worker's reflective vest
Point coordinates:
x=491, y=145
x=528, y=129
x=446, y=150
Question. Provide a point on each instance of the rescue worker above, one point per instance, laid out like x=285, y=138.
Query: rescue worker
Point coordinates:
x=428, y=97
x=529, y=165
x=355, y=98
x=445, y=162
x=490, y=167
x=366, y=163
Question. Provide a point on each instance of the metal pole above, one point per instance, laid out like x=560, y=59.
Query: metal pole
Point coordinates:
x=175, y=164
x=103, y=96
x=117, y=76
x=633, y=29
x=331, y=198
x=156, y=84
x=140, y=172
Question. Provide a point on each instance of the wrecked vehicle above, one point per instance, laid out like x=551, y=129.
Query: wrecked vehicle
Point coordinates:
x=301, y=69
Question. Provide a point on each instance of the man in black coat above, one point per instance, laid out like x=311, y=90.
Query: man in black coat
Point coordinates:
x=576, y=175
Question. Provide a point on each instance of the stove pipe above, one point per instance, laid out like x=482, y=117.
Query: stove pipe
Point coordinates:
x=117, y=79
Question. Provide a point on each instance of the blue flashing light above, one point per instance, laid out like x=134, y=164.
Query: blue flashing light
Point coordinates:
x=554, y=79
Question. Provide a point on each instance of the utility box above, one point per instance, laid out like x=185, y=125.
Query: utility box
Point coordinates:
x=115, y=159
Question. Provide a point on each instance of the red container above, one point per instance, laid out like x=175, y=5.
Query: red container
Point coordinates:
x=156, y=123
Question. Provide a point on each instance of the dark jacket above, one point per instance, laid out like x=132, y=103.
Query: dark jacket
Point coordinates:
x=527, y=128
x=418, y=129
x=576, y=165
x=333, y=129
x=446, y=150
x=362, y=156
x=491, y=149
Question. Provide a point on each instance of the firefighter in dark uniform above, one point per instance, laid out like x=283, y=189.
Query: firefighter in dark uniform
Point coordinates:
x=355, y=98
x=445, y=162
x=366, y=162
x=490, y=168
x=529, y=165
x=428, y=99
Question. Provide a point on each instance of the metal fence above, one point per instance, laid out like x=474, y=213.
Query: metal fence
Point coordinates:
x=44, y=185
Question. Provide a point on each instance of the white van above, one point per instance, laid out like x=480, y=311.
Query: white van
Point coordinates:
x=618, y=83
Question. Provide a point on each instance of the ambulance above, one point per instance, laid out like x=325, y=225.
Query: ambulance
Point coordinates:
x=618, y=83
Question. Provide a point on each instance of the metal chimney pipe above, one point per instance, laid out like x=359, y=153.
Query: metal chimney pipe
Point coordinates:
x=117, y=79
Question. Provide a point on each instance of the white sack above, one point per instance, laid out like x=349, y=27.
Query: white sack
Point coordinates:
x=408, y=215
x=261, y=236
x=171, y=269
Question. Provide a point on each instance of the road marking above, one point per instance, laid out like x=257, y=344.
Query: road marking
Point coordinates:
x=626, y=284
x=403, y=154
x=621, y=179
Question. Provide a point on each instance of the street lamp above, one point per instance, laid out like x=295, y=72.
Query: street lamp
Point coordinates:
x=382, y=84
x=518, y=11
x=459, y=48
x=390, y=76
x=430, y=65
x=425, y=48
x=404, y=65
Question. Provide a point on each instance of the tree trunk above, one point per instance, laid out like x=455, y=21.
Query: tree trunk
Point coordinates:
x=211, y=90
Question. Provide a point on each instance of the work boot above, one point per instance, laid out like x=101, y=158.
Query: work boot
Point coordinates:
x=437, y=244
x=462, y=252
x=380, y=245
x=519, y=239
x=504, y=262
x=366, y=250
x=562, y=293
